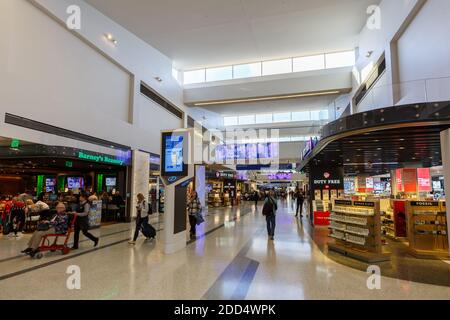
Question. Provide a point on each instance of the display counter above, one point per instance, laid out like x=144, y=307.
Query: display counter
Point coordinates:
x=355, y=230
x=427, y=229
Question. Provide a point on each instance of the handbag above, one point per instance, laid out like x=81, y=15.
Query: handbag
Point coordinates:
x=43, y=227
x=199, y=218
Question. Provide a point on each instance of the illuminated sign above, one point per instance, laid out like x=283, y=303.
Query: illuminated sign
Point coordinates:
x=15, y=144
x=99, y=158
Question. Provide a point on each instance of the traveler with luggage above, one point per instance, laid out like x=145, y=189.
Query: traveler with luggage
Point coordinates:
x=194, y=209
x=82, y=222
x=269, y=211
x=142, y=225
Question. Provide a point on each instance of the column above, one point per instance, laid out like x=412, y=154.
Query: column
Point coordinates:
x=140, y=178
x=445, y=153
x=200, y=184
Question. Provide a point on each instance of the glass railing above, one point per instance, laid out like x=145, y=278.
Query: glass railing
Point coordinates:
x=418, y=91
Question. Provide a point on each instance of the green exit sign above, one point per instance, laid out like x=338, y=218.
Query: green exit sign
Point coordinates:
x=69, y=164
x=15, y=144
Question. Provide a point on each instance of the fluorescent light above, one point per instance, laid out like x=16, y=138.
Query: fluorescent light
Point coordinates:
x=300, y=95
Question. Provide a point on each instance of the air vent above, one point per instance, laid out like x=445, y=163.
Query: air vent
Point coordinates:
x=152, y=95
x=47, y=128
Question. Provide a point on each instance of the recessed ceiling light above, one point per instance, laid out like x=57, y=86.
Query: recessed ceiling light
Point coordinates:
x=376, y=140
x=158, y=79
x=402, y=148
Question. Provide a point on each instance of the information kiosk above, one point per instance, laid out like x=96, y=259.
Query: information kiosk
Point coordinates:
x=177, y=171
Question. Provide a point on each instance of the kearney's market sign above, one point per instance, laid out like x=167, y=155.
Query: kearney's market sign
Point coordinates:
x=100, y=158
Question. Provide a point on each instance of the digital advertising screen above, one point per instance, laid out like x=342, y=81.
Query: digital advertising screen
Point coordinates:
x=174, y=153
x=75, y=182
x=110, y=182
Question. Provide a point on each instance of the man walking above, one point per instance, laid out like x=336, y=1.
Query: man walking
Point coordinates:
x=256, y=198
x=269, y=210
x=300, y=200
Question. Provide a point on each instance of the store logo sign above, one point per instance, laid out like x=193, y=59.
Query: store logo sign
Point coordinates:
x=99, y=158
x=326, y=175
x=172, y=179
x=374, y=280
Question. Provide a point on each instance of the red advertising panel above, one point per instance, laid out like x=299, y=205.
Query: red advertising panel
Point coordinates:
x=398, y=180
x=409, y=180
x=321, y=218
x=424, y=179
x=400, y=218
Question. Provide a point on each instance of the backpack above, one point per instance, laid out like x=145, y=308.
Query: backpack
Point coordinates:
x=268, y=208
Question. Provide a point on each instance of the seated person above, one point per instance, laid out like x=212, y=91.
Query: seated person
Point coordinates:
x=58, y=224
x=40, y=205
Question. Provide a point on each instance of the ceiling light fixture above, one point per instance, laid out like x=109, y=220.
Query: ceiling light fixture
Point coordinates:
x=111, y=38
x=158, y=79
x=369, y=54
x=300, y=95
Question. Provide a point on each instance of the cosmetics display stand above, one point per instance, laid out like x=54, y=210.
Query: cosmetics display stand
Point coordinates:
x=427, y=229
x=355, y=230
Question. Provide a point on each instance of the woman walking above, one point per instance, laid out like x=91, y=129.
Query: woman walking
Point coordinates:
x=194, y=207
x=142, y=208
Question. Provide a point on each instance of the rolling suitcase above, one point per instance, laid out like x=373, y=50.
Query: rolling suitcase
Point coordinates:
x=148, y=231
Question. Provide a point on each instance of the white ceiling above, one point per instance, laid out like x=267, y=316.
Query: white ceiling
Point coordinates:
x=201, y=33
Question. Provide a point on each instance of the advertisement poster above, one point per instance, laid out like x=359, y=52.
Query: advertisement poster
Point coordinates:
x=409, y=180
x=174, y=154
x=424, y=179
x=95, y=214
x=369, y=184
x=398, y=180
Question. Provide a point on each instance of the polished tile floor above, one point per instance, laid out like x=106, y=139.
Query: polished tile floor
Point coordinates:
x=231, y=259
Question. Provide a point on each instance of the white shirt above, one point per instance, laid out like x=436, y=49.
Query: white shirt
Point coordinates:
x=143, y=207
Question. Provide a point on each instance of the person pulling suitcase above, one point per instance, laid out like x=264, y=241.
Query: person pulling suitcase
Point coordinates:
x=142, y=224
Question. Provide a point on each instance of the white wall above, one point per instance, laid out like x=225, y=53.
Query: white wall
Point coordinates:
x=79, y=81
x=424, y=53
x=394, y=15
x=153, y=118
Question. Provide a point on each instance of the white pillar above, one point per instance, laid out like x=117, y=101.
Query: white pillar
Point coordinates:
x=200, y=184
x=140, y=175
x=445, y=153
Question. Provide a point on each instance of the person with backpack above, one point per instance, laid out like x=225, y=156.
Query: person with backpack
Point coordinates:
x=194, y=207
x=269, y=211
x=300, y=200
x=82, y=222
x=142, y=225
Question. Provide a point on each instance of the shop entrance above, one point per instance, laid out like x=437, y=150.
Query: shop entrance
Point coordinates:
x=29, y=173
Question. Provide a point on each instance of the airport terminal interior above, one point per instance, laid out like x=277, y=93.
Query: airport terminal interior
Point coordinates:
x=224, y=150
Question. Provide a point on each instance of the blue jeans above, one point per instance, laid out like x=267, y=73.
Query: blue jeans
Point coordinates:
x=271, y=225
